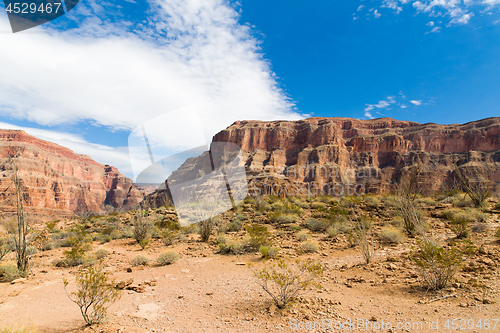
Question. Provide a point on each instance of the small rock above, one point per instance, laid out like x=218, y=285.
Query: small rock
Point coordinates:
x=180, y=296
x=129, y=269
x=373, y=318
x=20, y=280
x=241, y=264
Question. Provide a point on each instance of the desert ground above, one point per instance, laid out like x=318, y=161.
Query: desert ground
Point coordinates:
x=211, y=287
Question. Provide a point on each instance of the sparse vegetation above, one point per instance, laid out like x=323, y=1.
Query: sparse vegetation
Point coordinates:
x=205, y=229
x=259, y=235
x=391, y=235
x=317, y=225
x=139, y=261
x=284, y=281
x=268, y=251
x=459, y=221
x=303, y=236
x=309, y=247
x=408, y=190
x=474, y=185
x=142, y=229
x=19, y=329
x=6, y=247
x=102, y=253
x=167, y=258
x=94, y=295
x=9, y=273
x=363, y=237
x=436, y=265
x=235, y=225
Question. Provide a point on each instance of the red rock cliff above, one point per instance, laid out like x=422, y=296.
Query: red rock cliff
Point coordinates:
x=56, y=181
x=340, y=156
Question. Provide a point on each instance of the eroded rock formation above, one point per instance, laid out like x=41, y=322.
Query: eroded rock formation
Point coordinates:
x=57, y=182
x=341, y=156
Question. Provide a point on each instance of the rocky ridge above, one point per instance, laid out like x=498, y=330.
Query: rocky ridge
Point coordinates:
x=57, y=182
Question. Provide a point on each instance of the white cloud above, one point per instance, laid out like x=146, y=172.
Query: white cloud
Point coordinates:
x=458, y=11
x=430, y=24
x=376, y=14
x=111, y=75
x=386, y=103
x=360, y=7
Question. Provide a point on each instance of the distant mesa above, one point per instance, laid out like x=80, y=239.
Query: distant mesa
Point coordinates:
x=57, y=182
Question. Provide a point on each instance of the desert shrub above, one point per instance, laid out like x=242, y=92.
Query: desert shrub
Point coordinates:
x=474, y=185
x=479, y=227
x=6, y=247
x=168, y=223
x=296, y=227
x=19, y=329
x=221, y=239
x=337, y=228
x=168, y=237
x=303, y=236
x=309, y=247
x=222, y=226
x=391, y=235
x=142, y=229
x=105, y=239
x=102, y=253
x=363, y=237
x=436, y=265
x=497, y=205
x=139, y=261
x=259, y=235
x=52, y=227
x=9, y=273
x=268, y=251
x=497, y=233
x=284, y=281
x=79, y=244
x=235, y=225
x=389, y=201
x=459, y=221
x=397, y=222
x=205, y=229
x=318, y=205
x=167, y=258
x=95, y=294
x=427, y=201
x=287, y=218
x=317, y=225
x=409, y=188
x=372, y=201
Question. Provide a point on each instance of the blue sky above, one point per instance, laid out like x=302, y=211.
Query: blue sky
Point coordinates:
x=87, y=79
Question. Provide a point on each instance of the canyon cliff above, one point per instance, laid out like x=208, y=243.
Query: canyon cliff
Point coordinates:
x=58, y=183
x=342, y=156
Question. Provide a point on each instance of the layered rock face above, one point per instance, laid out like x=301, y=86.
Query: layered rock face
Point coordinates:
x=57, y=182
x=341, y=156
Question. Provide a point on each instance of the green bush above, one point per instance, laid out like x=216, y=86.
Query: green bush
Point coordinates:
x=337, y=228
x=317, y=225
x=95, y=294
x=6, y=246
x=497, y=233
x=372, y=201
x=205, y=229
x=139, y=261
x=142, y=228
x=269, y=252
x=296, y=227
x=436, y=264
x=167, y=258
x=235, y=225
x=391, y=235
x=459, y=222
x=284, y=281
x=9, y=273
x=497, y=205
x=309, y=247
x=102, y=253
x=259, y=235
x=303, y=236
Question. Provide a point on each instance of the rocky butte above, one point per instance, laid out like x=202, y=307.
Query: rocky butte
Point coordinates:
x=57, y=182
x=341, y=156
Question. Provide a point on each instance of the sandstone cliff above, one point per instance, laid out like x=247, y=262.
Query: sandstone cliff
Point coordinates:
x=57, y=182
x=344, y=156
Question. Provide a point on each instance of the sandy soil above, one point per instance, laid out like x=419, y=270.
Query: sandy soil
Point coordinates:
x=205, y=291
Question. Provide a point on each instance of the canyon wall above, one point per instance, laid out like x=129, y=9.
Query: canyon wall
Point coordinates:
x=58, y=183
